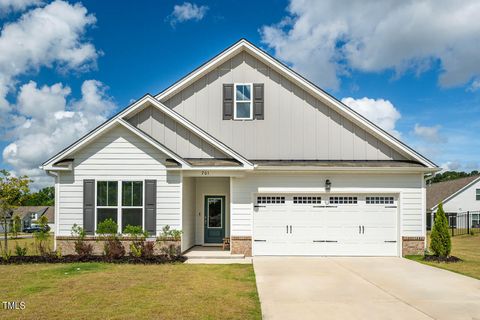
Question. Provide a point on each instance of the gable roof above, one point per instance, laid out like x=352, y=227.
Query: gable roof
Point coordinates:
x=332, y=102
x=242, y=45
x=444, y=191
x=24, y=211
x=118, y=119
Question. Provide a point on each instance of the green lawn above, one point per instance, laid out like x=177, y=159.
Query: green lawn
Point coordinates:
x=22, y=242
x=109, y=291
x=467, y=248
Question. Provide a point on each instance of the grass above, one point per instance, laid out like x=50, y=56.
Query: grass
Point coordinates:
x=109, y=291
x=465, y=247
x=22, y=242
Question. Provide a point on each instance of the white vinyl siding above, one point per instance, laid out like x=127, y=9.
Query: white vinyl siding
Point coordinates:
x=118, y=155
x=407, y=186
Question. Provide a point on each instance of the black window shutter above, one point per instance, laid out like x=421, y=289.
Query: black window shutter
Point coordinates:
x=89, y=206
x=227, y=101
x=258, y=101
x=151, y=206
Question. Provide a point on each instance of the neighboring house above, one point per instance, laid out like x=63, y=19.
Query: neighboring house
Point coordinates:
x=30, y=214
x=457, y=196
x=244, y=147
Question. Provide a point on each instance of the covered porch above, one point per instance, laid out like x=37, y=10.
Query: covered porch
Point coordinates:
x=205, y=212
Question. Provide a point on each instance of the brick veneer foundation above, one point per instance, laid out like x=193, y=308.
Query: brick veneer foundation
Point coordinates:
x=241, y=245
x=413, y=245
x=67, y=244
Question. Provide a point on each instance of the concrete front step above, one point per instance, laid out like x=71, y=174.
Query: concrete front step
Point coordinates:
x=211, y=253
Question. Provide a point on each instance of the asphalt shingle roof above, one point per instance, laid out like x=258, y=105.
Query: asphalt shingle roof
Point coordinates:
x=441, y=190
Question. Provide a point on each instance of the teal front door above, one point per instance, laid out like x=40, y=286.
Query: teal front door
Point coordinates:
x=214, y=219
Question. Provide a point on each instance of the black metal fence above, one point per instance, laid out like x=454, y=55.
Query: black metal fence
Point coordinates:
x=463, y=222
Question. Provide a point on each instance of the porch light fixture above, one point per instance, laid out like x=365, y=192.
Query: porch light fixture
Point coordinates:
x=328, y=184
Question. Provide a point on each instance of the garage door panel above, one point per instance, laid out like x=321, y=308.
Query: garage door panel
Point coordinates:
x=350, y=226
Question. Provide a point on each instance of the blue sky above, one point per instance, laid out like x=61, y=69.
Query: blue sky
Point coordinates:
x=418, y=81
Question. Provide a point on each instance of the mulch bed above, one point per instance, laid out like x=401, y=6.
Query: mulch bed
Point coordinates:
x=157, y=259
x=441, y=259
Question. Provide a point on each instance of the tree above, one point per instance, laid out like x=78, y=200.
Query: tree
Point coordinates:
x=44, y=197
x=42, y=236
x=452, y=175
x=12, y=192
x=440, y=242
x=16, y=225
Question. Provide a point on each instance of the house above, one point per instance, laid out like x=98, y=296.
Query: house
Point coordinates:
x=244, y=147
x=457, y=196
x=30, y=214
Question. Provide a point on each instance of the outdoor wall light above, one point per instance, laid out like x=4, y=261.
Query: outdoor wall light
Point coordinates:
x=328, y=184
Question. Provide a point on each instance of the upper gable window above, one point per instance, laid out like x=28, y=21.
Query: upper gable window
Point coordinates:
x=243, y=106
x=478, y=194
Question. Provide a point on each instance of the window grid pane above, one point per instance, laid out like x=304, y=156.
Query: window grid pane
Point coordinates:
x=270, y=200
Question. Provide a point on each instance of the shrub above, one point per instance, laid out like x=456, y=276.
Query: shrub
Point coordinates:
x=170, y=234
x=107, y=227
x=19, y=251
x=138, y=239
x=113, y=247
x=440, y=241
x=82, y=248
x=148, y=249
x=42, y=236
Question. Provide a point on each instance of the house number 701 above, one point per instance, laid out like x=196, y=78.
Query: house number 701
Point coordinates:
x=205, y=173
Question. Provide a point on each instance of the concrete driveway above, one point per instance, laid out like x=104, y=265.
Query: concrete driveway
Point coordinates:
x=362, y=288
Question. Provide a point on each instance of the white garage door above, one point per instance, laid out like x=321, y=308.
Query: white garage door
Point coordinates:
x=349, y=225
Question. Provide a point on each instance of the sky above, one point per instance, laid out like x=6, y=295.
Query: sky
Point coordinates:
x=411, y=67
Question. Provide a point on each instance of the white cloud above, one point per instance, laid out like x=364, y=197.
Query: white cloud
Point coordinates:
x=381, y=112
x=474, y=86
x=53, y=125
x=325, y=39
x=187, y=11
x=49, y=36
x=429, y=134
x=7, y=6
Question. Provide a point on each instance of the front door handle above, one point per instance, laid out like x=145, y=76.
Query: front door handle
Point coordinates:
x=287, y=228
x=363, y=229
x=359, y=229
x=290, y=229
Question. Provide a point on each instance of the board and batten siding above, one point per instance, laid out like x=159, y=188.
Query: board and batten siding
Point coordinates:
x=174, y=135
x=296, y=125
x=409, y=187
x=118, y=154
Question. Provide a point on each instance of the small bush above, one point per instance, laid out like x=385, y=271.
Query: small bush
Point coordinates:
x=170, y=234
x=440, y=241
x=148, y=250
x=42, y=237
x=472, y=232
x=82, y=248
x=138, y=239
x=19, y=251
x=114, y=249
x=171, y=250
x=107, y=227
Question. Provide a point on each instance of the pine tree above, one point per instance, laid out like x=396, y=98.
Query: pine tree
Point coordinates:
x=440, y=241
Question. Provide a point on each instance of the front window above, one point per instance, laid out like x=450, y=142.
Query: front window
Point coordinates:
x=132, y=203
x=243, y=101
x=124, y=204
x=478, y=194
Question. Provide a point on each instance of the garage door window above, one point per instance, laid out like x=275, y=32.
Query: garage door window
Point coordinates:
x=379, y=200
x=343, y=200
x=307, y=200
x=270, y=200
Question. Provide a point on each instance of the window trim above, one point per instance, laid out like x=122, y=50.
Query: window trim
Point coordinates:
x=119, y=205
x=235, y=100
